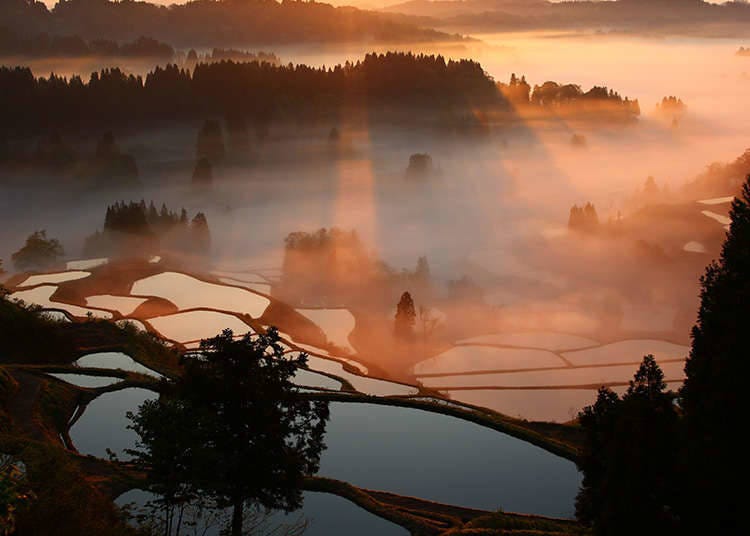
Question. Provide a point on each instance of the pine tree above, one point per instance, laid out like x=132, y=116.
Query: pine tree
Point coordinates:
x=406, y=317
x=628, y=458
x=713, y=394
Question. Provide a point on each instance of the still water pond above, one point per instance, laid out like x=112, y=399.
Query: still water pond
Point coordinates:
x=325, y=515
x=405, y=451
x=445, y=459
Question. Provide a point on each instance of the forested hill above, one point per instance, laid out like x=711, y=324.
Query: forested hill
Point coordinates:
x=253, y=89
x=208, y=23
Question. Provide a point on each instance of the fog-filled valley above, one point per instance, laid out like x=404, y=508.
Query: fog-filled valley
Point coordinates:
x=428, y=241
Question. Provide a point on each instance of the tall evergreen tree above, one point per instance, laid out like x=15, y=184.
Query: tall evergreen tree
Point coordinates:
x=406, y=317
x=712, y=396
x=628, y=459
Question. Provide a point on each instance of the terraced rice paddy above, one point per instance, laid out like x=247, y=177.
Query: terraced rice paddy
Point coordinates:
x=540, y=390
x=196, y=325
x=337, y=324
x=114, y=361
x=187, y=292
x=125, y=305
x=42, y=295
x=533, y=339
x=88, y=381
x=86, y=264
x=55, y=278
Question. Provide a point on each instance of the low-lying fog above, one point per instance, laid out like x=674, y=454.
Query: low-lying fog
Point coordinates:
x=490, y=202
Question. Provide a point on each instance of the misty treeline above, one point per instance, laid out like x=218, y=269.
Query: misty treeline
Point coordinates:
x=107, y=167
x=552, y=94
x=207, y=23
x=403, y=80
x=660, y=462
x=233, y=54
x=136, y=228
x=584, y=219
x=720, y=179
x=333, y=267
x=73, y=46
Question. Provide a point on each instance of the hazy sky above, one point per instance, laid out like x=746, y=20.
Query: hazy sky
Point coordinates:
x=365, y=4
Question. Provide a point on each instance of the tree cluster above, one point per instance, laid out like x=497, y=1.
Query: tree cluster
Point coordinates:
x=669, y=463
x=583, y=219
x=553, y=95
x=720, y=179
x=328, y=265
x=73, y=46
x=134, y=227
x=420, y=165
x=671, y=104
x=231, y=54
x=38, y=253
x=628, y=460
x=253, y=90
x=107, y=167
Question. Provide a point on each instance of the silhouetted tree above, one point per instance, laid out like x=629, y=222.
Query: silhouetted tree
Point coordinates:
x=420, y=165
x=111, y=166
x=233, y=429
x=712, y=396
x=201, y=236
x=203, y=174
x=405, y=318
x=578, y=140
x=422, y=272
x=629, y=458
x=54, y=153
x=39, y=252
x=650, y=188
x=583, y=219
x=239, y=134
x=210, y=142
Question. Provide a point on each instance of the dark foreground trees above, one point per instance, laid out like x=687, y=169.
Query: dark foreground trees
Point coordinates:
x=654, y=467
x=628, y=458
x=716, y=370
x=232, y=431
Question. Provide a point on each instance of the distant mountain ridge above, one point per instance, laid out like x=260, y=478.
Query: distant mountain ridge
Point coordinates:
x=648, y=16
x=208, y=23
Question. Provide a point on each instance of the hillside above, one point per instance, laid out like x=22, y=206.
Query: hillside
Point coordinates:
x=206, y=23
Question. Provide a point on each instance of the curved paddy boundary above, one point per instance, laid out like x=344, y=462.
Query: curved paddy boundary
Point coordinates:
x=424, y=517
x=540, y=369
x=417, y=515
x=54, y=298
x=524, y=430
